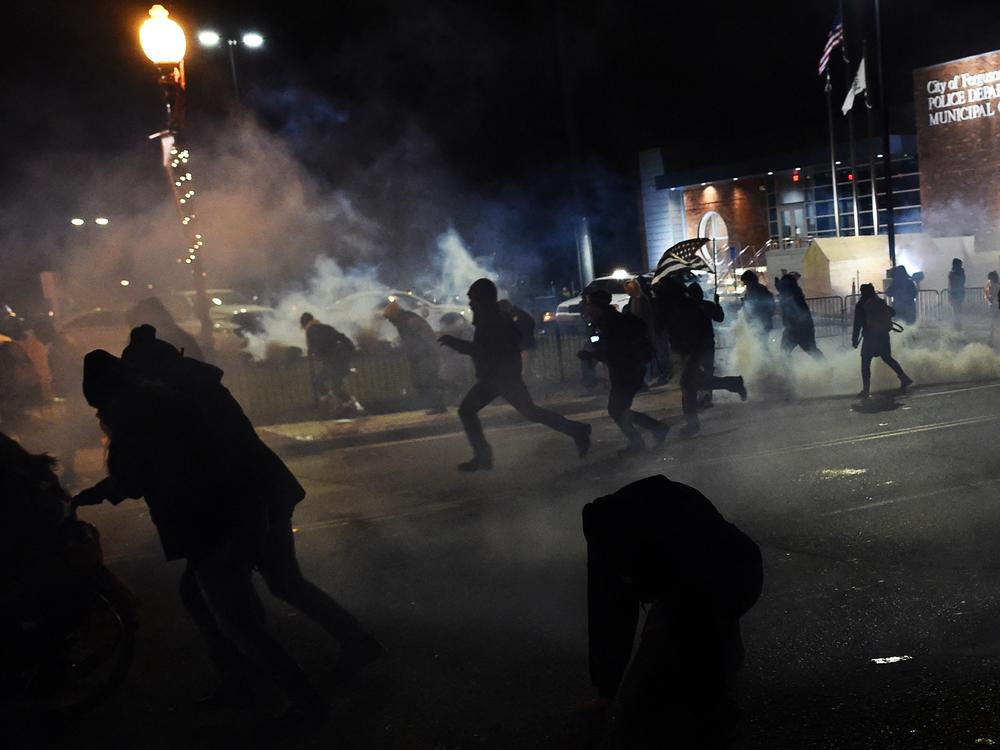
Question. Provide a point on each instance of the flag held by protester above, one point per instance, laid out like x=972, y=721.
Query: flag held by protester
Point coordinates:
x=682, y=257
x=857, y=87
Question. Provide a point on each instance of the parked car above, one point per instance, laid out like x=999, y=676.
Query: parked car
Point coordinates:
x=569, y=313
x=98, y=328
x=223, y=307
x=363, y=310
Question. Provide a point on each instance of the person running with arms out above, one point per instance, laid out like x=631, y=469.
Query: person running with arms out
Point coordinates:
x=872, y=325
x=496, y=353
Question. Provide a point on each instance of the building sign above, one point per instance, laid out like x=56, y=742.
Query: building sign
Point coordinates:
x=957, y=106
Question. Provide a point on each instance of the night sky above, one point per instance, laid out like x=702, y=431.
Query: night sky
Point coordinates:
x=514, y=101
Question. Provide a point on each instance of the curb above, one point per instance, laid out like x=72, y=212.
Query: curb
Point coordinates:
x=289, y=446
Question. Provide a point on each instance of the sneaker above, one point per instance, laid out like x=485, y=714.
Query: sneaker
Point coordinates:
x=583, y=441
x=476, y=463
x=741, y=389
x=660, y=434
x=905, y=382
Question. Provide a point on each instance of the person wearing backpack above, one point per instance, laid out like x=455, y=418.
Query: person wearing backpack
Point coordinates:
x=872, y=325
x=624, y=346
x=330, y=351
x=758, y=304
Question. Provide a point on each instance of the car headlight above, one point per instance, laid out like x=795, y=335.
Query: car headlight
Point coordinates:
x=548, y=317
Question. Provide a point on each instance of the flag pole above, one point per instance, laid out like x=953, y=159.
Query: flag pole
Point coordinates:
x=850, y=125
x=833, y=155
x=890, y=223
x=871, y=137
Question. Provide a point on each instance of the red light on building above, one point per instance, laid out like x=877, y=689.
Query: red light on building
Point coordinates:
x=795, y=176
x=850, y=176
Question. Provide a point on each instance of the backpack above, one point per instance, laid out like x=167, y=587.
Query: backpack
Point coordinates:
x=878, y=316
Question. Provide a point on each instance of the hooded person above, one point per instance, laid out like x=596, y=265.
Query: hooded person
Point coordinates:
x=268, y=491
x=624, y=346
x=663, y=545
x=161, y=448
x=903, y=293
x=422, y=355
x=758, y=305
x=693, y=337
x=496, y=354
x=329, y=352
x=153, y=312
x=956, y=289
x=872, y=326
x=797, y=321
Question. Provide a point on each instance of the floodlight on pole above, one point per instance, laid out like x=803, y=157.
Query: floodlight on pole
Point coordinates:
x=253, y=40
x=209, y=38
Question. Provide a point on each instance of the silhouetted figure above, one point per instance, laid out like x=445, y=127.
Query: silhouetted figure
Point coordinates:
x=873, y=322
x=992, y=294
x=758, y=303
x=692, y=336
x=956, y=289
x=161, y=448
x=20, y=383
x=640, y=304
x=624, y=346
x=496, y=353
x=663, y=544
x=903, y=293
x=423, y=355
x=713, y=310
x=267, y=486
x=796, y=318
x=525, y=323
x=329, y=353
x=152, y=312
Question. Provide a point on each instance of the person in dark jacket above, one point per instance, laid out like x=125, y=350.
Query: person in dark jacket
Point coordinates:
x=872, y=326
x=903, y=293
x=713, y=310
x=796, y=318
x=422, y=355
x=161, y=449
x=956, y=289
x=624, y=346
x=525, y=323
x=663, y=544
x=692, y=336
x=496, y=353
x=758, y=303
x=640, y=304
x=329, y=353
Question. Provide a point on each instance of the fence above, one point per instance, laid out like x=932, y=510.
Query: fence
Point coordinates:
x=380, y=380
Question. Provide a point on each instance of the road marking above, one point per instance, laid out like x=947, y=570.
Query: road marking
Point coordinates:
x=955, y=390
x=917, y=496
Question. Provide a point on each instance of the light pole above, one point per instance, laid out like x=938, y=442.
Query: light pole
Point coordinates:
x=250, y=39
x=163, y=41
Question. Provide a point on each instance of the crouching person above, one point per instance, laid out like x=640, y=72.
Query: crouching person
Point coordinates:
x=664, y=545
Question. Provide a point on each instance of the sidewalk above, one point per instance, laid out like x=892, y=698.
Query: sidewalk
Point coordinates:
x=300, y=438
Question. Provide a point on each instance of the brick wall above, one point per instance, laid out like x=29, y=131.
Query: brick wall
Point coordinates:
x=742, y=205
x=958, y=143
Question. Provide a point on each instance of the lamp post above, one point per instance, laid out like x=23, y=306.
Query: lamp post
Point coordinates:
x=251, y=39
x=163, y=42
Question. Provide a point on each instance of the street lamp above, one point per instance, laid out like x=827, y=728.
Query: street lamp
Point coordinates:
x=251, y=39
x=163, y=41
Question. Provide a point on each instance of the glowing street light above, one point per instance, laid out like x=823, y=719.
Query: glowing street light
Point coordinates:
x=77, y=222
x=251, y=39
x=101, y=221
x=163, y=41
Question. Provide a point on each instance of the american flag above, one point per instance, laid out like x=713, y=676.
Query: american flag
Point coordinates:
x=681, y=257
x=834, y=40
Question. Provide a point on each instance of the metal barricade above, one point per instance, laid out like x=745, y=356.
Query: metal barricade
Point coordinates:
x=827, y=315
x=928, y=304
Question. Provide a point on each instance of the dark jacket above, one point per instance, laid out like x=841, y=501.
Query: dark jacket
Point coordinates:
x=795, y=314
x=324, y=342
x=875, y=343
x=956, y=283
x=689, y=324
x=903, y=292
x=660, y=541
x=624, y=345
x=759, y=303
x=496, y=344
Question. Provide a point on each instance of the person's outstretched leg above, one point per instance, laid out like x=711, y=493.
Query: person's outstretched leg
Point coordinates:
x=866, y=374
x=468, y=411
x=691, y=377
x=516, y=393
x=904, y=379
x=279, y=568
x=619, y=409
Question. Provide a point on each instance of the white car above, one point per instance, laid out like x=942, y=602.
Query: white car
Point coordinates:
x=569, y=313
x=223, y=305
x=364, y=309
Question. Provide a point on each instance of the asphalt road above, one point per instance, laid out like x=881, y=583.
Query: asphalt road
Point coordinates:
x=879, y=529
